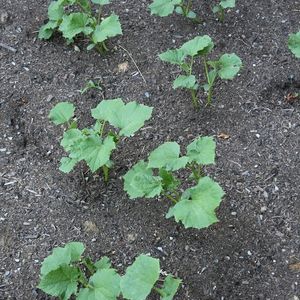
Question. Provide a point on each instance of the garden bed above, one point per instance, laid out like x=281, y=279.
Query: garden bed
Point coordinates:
x=251, y=253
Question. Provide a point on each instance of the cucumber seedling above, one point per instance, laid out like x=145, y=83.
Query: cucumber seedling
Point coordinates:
x=165, y=8
x=222, y=6
x=294, y=43
x=67, y=273
x=195, y=207
x=94, y=145
x=226, y=67
x=81, y=20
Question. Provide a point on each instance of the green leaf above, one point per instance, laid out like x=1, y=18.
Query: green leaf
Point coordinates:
x=199, y=45
x=197, y=206
x=216, y=8
x=170, y=287
x=229, y=65
x=167, y=156
x=61, y=113
x=101, y=2
x=227, y=3
x=202, y=151
x=140, y=182
x=169, y=182
x=70, y=138
x=163, y=8
x=109, y=27
x=140, y=278
x=62, y=256
x=103, y=263
x=191, y=15
x=129, y=118
x=74, y=24
x=55, y=10
x=175, y=57
x=96, y=152
x=61, y=282
x=105, y=285
x=294, y=43
x=183, y=81
x=47, y=30
x=67, y=164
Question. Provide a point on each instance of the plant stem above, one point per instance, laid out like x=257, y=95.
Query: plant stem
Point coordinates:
x=222, y=15
x=99, y=14
x=170, y=197
x=105, y=170
x=210, y=84
x=194, y=98
x=157, y=290
x=102, y=128
x=88, y=266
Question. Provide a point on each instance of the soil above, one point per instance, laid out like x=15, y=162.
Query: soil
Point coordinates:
x=251, y=253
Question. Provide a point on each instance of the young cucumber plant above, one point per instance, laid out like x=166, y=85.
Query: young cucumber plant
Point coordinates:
x=294, y=43
x=226, y=67
x=66, y=273
x=164, y=8
x=81, y=21
x=94, y=145
x=220, y=8
x=195, y=207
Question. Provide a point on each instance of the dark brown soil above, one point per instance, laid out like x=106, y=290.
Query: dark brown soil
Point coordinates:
x=248, y=254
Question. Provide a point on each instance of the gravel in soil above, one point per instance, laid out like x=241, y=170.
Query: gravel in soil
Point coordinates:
x=248, y=253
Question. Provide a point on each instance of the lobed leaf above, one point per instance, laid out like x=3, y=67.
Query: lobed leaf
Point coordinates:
x=103, y=263
x=61, y=113
x=55, y=10
x=294, y=43
x=229, y=66
x=47, y=30
x=167, y=156
x=140, y=182
x=163, y=8
x=184, y=81
x=200, y=45
x=61, y=282
x=67, y=164
x=109, y=27
x=202, y=151
x=197, y=206
x=170, y=287
x=175, y=57
x=74, y=24
x=103, y=285
x=140, y=278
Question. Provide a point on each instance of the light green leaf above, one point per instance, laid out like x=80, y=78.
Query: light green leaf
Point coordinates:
x=47, y=30
x=170, y=287
x=101, y=2
x=191, y=15
x=105, y=285
x=216, y=8
x=294, y=43
x=129, y=118
x=175, y=57
x=163, y=8
x=103, y=263
x=167, y=156
x=202, y=151
x=227, y=4
x=74, y=24
x=197, y=206
x=96, y=152
x=229, y=65
x=70, y=138
x=199, y=45
x=140, y=278
x=183, y=81
x=140, y=182
x=109, y=27
x=61, y=113
x=62, y=256
x=67, y=164
x=55, y=11
x=61, y=282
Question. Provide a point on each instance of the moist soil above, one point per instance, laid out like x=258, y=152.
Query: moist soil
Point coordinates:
x=252, y=253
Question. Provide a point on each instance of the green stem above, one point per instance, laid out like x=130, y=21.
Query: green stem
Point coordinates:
x=157, y=290
x=194, y=98
x=222, y=15
x=99, y=15
x=88, y=266
x=170, y=197
x=102, y=128
x=105, y=170
x=83, y=280
x=104, y=46
x=210, y=83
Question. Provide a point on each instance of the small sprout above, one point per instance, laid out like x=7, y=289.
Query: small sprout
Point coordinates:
x=195, y=207
x=226, y=67
x=95, y=145
x=84, y=22
x=220, y=8
x=67, y=273
x=91, y=85
x=294, y=43
x=165, y=8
